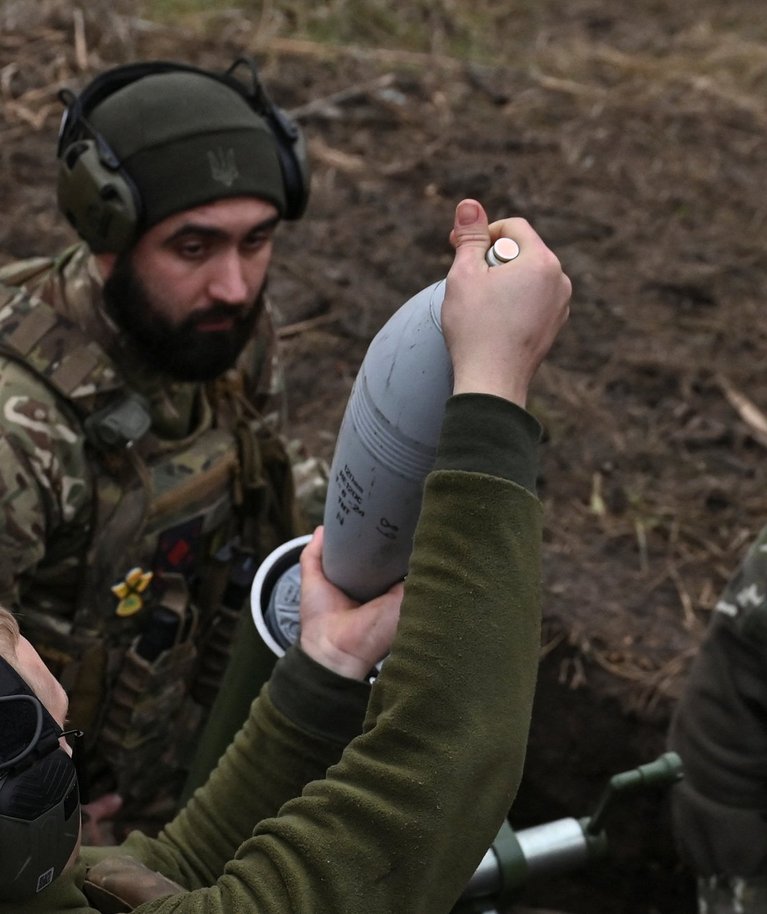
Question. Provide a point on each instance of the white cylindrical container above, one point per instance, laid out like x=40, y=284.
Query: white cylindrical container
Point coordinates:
x=275, y=596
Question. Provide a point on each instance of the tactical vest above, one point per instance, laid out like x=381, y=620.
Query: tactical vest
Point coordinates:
x=178, y=528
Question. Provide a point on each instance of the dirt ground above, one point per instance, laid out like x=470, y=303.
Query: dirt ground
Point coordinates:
x=633, y=137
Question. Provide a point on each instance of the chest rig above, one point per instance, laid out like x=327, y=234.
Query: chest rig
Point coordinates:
x=177, y=530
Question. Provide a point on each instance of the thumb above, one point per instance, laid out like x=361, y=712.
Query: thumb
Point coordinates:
x=471, y=232
x=311, y=555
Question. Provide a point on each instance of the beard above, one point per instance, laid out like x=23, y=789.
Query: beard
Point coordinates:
x=182, y=350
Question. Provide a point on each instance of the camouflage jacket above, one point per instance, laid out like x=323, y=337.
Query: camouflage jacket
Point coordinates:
x=128, y=562
x=719, y=729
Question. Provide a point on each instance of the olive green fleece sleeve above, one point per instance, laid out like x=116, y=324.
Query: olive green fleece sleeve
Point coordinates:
x=268, y=763
x=486, y=434
x=417, y=799
x=298, y=727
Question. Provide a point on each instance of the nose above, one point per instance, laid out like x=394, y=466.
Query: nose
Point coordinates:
x=228, y=281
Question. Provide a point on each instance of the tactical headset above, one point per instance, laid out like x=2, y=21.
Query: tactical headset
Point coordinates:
x=98, y=196
x=39, y=795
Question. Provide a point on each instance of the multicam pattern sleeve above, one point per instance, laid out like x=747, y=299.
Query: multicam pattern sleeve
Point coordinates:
x=44, y=479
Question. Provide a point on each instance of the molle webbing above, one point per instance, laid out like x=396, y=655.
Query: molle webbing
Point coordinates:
x=56, y=350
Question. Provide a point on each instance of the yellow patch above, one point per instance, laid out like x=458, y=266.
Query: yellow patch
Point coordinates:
x=129, y=591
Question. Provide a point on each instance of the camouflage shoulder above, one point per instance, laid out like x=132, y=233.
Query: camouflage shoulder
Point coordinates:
x=33, y=270
x=31, y=413
x=21, y=272
x=53, y=348
x=745, y=596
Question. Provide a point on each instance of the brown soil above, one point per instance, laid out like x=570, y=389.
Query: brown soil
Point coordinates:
x=633, y=137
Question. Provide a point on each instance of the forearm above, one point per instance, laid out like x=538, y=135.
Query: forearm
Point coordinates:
x=445, y=707
x=296, y=730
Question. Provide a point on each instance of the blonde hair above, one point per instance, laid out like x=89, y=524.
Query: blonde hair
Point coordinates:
x=9, y=634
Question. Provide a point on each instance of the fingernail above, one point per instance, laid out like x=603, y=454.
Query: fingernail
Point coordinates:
x=468, y=212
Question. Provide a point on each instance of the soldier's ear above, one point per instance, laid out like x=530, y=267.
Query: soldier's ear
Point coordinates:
x=105, y=264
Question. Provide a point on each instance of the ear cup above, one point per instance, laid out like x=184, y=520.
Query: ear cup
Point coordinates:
x=99, y=201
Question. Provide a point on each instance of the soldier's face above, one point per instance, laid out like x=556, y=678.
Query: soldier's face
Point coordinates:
x=189, y=291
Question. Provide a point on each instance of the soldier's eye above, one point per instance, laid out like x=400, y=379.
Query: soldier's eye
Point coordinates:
x=191, y=249
x=257, y=240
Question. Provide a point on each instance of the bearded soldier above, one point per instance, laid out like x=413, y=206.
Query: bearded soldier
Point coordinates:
x=142, y=476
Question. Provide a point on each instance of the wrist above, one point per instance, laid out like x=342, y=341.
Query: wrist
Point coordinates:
x=316, y=699
x=515, y=390
x=335, y=660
